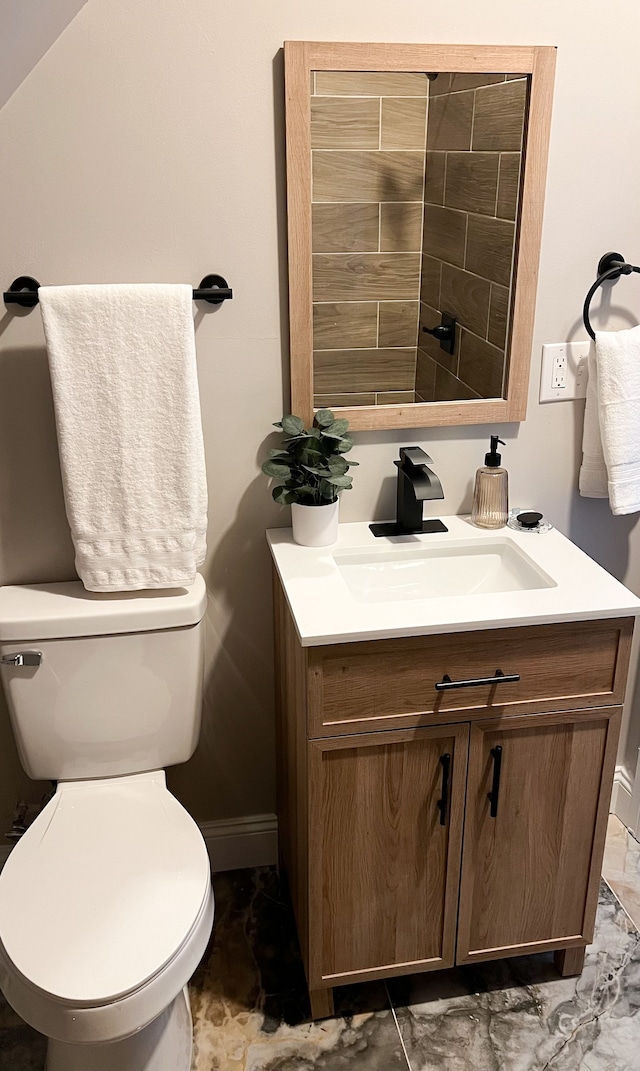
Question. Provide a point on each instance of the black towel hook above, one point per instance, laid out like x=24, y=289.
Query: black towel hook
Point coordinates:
x=24, y=291
x=611, y=266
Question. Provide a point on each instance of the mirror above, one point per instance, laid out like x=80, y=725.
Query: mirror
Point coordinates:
x=415, y=180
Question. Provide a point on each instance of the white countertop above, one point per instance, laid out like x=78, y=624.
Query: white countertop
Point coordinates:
x=325, y=611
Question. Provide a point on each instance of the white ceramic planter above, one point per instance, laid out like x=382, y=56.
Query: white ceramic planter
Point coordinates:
x=315, y=526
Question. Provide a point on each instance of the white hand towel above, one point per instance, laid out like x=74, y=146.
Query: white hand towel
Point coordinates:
x=616, y=417
x=123, y=371
x=593, y=471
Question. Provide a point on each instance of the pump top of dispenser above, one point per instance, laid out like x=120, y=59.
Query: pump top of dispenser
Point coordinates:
x=493, y=458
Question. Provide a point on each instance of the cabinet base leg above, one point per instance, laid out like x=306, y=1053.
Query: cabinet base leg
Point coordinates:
x=569, y=960
x=321, y=1003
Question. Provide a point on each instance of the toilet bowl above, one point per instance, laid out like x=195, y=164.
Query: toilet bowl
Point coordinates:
x=106, y=905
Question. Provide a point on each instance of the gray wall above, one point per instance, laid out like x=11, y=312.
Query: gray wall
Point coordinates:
x=147, y=145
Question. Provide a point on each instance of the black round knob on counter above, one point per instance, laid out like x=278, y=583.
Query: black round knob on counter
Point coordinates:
x=529, y=520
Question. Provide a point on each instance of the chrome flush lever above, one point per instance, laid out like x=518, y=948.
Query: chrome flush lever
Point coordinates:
x=22, y=658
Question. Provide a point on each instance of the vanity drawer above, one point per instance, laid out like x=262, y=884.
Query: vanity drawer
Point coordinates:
x=380, y=684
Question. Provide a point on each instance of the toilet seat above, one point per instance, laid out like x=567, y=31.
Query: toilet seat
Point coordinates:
x=103, y=891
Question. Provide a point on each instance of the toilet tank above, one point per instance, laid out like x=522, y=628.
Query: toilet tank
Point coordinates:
x=118, y=689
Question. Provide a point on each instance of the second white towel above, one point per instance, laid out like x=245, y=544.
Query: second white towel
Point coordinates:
x=123, y=372
x=611, y=439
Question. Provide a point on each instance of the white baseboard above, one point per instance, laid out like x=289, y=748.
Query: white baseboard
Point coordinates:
x=236, y=843
x=622, y=803
x=232, y=844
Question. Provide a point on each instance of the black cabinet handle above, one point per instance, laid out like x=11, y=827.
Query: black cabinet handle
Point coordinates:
x=443, y=802
x=499, y=678
x=496, y=754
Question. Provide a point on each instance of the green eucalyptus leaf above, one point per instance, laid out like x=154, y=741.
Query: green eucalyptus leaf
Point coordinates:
x=278, y=471
x=340, y=481
x=292, y=425
x=336, y=429
x=337, y=465
x=324, y=418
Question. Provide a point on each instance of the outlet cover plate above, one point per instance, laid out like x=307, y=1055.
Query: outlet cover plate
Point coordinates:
x=575, y=354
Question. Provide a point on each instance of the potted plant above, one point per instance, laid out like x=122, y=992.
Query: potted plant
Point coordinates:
x=311, y=471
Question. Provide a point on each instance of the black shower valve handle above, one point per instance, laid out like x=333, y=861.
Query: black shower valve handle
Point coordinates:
x=444, y=332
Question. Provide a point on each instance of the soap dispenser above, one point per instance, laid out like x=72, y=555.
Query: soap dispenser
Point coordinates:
x=490, y=494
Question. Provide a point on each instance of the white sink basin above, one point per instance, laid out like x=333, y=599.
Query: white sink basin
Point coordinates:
x=466, y=578
x=432, y=572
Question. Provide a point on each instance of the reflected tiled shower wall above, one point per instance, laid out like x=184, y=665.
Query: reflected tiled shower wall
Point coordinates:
x=368, y=134
x=474, y=148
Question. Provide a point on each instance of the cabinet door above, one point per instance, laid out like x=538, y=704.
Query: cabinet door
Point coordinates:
x=385, y=834
x=537, y=801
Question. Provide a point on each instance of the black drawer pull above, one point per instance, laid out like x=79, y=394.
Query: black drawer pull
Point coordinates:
x=496, y=754
x=443, y=802
x=500, y=678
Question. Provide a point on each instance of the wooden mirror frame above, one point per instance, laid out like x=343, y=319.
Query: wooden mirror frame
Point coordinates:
x=303, y=57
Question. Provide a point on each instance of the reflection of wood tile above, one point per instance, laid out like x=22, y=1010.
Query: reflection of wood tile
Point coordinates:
x=365, y=276
x=345, y=324
x=343, y=122
x=498, y=310
x=371, y=83
x=499, y=117
x=430, y=282
x=403, y=122
x=396, y=397
x=449, y=388
x=434, y=178
x=358, y=371
x=335, y=401
x=444, y=234
x=450, y=121
x=425, y=376
x=367, y=176
x=481, y=366
x=345, y=228
x=466, y=297
x=400, y=226
x=508, y=185
x=472, y=181
x=430, y=317
x=398, y=323
x=472, y=81
x=440, y=84
x=490, y=248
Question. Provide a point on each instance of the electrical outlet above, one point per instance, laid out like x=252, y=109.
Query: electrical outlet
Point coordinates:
x=564, y=371
x=559, y=372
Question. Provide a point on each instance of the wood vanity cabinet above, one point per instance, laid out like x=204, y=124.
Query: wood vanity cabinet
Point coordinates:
x=423, y=827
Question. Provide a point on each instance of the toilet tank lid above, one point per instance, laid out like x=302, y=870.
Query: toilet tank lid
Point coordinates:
x=53, y=611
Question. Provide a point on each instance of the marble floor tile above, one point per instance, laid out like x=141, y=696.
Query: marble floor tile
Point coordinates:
x=621, y=867
x=251, y=1011
x=21, y=1048
x=519, y=1015
x=249, y=998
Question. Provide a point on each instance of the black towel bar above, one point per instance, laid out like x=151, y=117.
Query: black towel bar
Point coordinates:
x=610, y=266
x=24, y=291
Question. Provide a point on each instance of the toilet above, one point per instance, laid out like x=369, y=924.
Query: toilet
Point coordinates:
x=106, y=905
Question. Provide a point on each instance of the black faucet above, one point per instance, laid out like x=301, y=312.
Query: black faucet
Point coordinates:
x=416, y=483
